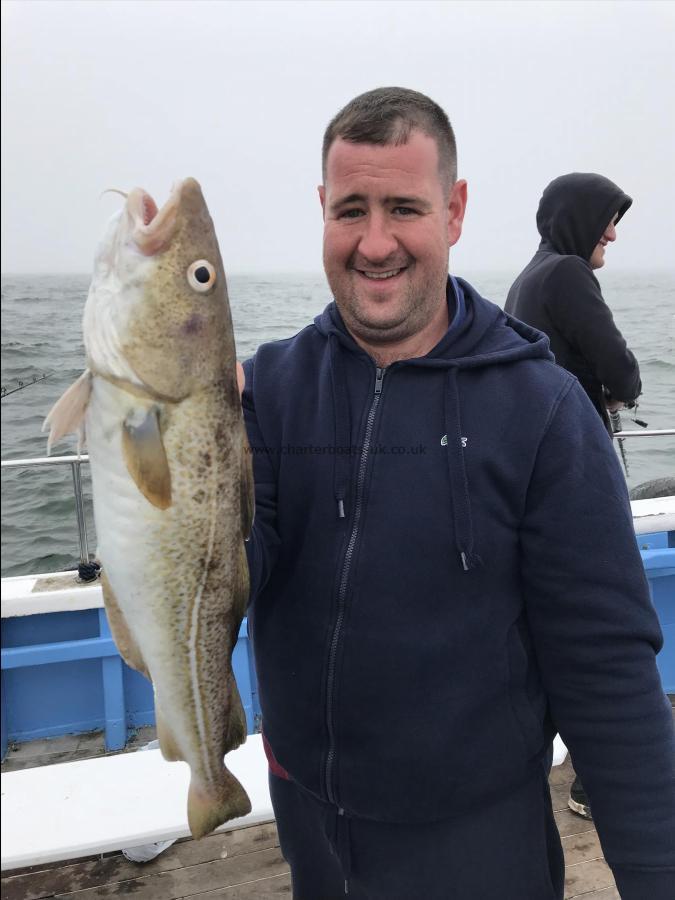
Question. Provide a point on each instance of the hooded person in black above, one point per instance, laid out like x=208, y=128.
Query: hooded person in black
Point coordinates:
x=558, y=293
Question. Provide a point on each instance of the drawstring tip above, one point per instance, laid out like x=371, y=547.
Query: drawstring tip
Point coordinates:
x=341, y=509
x=346, y=886
x=470, y=561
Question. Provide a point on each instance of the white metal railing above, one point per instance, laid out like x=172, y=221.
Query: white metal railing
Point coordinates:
x=74, y=462
x=647, y=433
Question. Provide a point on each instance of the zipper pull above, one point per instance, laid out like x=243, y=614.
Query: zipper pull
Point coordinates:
x=379, y=378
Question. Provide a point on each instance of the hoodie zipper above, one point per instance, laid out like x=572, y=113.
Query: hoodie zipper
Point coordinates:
x=342, y=592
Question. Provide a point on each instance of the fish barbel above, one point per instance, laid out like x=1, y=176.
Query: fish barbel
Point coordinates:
x=171, y=473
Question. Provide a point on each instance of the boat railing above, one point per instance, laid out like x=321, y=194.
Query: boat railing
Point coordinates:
x=75, y=462
x=647, y=432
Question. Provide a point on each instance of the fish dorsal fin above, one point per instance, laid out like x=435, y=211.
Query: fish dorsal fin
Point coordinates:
x=145, y=457
x=67, y=415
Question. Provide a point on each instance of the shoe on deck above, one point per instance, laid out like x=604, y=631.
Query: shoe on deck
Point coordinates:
x=578, y=800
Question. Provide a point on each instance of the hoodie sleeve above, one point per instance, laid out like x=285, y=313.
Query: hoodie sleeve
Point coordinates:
x=262, y=547
x=596, y=635
x=580, y=314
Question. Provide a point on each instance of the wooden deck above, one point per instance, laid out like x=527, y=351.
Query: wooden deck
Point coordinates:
x=245, y=864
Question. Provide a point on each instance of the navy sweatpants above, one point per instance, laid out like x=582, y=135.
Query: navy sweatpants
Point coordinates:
x=508, y=851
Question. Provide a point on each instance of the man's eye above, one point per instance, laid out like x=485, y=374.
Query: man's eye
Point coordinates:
x=351, y=213
x=405, y=211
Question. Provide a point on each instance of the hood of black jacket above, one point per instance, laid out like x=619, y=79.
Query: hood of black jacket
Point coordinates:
x=575, y=210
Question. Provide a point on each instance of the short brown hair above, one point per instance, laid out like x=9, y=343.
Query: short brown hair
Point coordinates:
x=387, y=116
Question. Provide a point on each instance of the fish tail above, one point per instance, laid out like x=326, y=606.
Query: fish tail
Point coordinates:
x=211, y=805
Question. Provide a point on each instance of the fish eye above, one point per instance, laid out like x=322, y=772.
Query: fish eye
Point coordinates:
x=201, y=276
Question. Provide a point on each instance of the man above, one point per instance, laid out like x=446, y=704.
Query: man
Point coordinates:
x=433, y=587
x=558, y=293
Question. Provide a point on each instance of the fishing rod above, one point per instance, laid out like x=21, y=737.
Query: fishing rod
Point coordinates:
x=615, y=419
x=617, y=428
x=24, y=384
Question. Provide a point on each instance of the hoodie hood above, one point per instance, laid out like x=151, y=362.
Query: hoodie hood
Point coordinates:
x=574, y=211
x=479, y=335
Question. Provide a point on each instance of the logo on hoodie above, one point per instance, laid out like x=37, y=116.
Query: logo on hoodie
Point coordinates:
x=444, y=441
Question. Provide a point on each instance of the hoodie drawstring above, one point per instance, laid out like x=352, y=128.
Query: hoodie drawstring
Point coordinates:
x=342, y=426
x=338, y=833
x=459, y=484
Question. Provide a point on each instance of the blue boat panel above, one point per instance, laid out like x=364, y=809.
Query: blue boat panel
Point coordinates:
x=666, y=660
x=652, y=541
x=62, y=675
x=49, y=628
x=61, y=698
x=89, y=689
x=659, y=563
x=140, y=701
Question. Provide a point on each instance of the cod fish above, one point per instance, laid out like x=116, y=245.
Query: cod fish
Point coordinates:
x=159, y=406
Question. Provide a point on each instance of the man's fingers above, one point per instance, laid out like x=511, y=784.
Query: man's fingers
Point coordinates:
x=241, y=378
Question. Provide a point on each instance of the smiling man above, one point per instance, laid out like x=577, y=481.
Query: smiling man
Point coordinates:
x=433, y=593
x=558, y=293
x=386, y=254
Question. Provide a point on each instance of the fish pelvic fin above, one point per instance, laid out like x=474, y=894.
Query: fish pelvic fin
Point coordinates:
x=210, y=805
x=240, y=592
x=124, y=639
x=247, y=488
x=145, y=457
x=236, y=720
x=67, y=414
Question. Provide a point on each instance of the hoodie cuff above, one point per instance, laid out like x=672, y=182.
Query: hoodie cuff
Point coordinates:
x=639, y=884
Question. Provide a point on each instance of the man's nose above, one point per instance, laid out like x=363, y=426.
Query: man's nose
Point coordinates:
x=377, y=241
x=610, y=234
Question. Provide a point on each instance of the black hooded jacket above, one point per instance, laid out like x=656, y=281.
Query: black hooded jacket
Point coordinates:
x=558, y=293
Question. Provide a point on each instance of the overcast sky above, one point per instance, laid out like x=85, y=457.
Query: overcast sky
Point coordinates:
x=100, y=94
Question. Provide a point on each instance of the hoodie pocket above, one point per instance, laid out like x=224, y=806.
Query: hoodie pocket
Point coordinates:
x=528, y=702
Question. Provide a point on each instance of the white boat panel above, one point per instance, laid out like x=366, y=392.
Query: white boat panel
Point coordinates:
x=29, y=595
x=653, y=515
x=100, y=805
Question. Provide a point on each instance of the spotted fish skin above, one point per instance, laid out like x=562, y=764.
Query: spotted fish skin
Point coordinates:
x=171, y=477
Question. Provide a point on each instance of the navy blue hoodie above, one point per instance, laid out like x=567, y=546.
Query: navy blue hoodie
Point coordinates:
x=444, y=573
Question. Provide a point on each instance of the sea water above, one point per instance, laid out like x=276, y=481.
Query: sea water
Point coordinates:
x=42, y=334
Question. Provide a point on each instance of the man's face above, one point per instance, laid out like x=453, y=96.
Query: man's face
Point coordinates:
x=388, y=226
x=597, y=259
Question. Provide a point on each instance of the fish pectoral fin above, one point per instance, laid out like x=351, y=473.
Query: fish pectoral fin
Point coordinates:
x=67, y=414
x=211, y=805
x=124, y=639
x=167, y=743
x=247, y=488
x=145, y=457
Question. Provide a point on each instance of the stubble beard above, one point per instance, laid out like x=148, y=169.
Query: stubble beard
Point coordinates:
x=416, y=309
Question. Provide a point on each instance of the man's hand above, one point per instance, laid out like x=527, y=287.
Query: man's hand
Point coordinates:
x=241, y=378
x=612, y=405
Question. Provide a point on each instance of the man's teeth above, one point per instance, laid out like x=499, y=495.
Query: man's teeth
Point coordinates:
x=380, y=275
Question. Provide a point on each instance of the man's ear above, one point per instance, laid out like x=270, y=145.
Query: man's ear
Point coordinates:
x=322, y=197
x=456, y=209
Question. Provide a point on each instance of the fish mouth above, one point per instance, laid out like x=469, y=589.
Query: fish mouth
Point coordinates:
x=152, y=227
